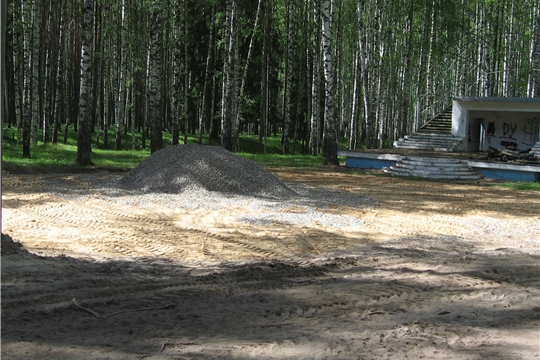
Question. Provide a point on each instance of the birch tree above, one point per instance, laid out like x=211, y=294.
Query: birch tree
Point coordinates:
x=533, y=87
x=154, y=78
x=288, y=76
x=330, y=137
x=84, y=140
x=229, y=76
x=315, y=78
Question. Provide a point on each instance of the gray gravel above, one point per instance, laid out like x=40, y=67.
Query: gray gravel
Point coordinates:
x=178, y=168
x=195, y=176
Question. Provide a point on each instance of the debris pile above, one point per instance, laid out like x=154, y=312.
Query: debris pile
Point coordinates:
x=513, y=155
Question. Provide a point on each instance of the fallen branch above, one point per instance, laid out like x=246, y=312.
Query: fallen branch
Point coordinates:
x=375, y=312
x=371, y=312
x=117, y=312
x=85, y=309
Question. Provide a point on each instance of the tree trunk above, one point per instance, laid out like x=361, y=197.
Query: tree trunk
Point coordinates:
x=240, y=100
x=229, y=74
x=177, y=71
x=154, y=80
x=9, y=63
x=187, y=74
x=330, y=145
x=315, y=87
x=84, y=143
x=204, y=114
x=353, y=124
x=265, y=78
x=366, y=78
x=288, y=76
x=35, y=64
x=27, y=77
x=533, y=89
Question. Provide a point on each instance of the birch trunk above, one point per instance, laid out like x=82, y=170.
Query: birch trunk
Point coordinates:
x=229, y=75
x=288, y=77
x=84, y=141
x=177, y=71
x=204, y=110
x=240, y=100
x=27, y=78
x=35, y=70
x=120, y=85
x=185, y=108
x=533, y=88
x=353, y=124
x=315, y=87
x=330, y=137
x=366, y=77
x=154, y=80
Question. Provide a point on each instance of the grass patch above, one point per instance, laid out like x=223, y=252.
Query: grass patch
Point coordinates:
x=61, y=157
x=286, y=161
x=520, y=185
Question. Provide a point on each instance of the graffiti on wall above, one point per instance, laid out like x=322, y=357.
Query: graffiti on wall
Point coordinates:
x=520, y=134
x=531, y=131
x=508, y=131
x=490, y=129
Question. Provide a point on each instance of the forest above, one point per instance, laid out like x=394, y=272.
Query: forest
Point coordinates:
x=311, y=72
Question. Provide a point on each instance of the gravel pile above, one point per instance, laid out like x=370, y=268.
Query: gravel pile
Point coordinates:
x=195, y=176
x=180, y=168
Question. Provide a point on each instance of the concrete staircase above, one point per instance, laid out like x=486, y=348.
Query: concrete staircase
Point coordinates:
x=535, y=151
x=436, y=135
x=433, y=168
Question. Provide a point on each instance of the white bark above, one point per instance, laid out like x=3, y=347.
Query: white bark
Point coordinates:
x=85, y=112
x=154, y=80
x=330, y=136
x=240, y=101
x=288, y=76
x=533, y=88
x=229, y=74
x=204, y=112
x=315, y=97
x=35, y=69
x=353, y=124
x=120, y=86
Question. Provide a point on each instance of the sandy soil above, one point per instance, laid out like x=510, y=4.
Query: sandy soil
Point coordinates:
x=437, y=270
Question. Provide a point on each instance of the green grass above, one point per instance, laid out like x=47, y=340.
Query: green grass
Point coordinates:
x=520, y=185
x=59, y=157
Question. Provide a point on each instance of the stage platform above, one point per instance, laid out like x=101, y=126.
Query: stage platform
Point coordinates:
x=395, y=161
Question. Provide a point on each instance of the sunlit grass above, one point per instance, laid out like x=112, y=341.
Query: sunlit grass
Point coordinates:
x=520, y=185
x=60, y=157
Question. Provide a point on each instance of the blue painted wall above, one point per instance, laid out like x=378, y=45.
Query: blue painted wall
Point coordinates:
x=509, y=175
x=368, y=163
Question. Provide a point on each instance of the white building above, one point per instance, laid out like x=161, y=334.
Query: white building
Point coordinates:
x=496, y=122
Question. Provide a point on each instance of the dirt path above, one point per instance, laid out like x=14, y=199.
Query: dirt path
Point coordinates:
x=436, y=270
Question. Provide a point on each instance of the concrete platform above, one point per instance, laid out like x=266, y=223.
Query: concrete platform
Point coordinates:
x=387, y=159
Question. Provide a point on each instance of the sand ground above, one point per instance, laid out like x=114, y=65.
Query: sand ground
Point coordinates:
x=436, y=270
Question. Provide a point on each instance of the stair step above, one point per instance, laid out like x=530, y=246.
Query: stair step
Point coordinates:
x=435, y=134
x=418, y=137
x=433, y=168
x=417, y=147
